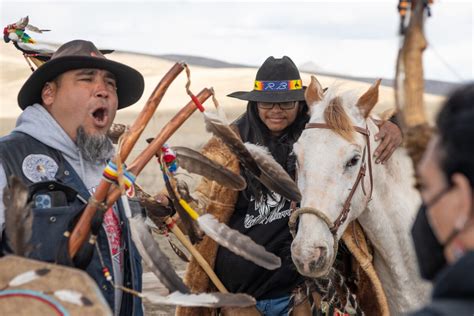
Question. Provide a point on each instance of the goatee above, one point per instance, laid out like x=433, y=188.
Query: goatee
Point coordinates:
x=94, y=148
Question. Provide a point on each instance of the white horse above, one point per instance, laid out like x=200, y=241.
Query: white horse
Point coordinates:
x=339, y=183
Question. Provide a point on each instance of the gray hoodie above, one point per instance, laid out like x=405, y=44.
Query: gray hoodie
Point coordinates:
x=39, y=124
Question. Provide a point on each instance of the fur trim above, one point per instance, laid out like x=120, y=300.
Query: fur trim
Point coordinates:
x=220, y=202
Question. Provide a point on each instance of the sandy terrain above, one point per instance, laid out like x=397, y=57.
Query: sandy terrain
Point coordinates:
x=14, y=70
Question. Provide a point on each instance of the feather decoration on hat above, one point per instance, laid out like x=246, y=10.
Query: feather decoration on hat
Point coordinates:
x=16, y=31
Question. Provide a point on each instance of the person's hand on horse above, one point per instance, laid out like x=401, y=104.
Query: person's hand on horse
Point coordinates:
x=390, y=136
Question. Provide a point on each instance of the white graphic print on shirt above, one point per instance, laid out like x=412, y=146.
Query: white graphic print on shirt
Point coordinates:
x=269, y=209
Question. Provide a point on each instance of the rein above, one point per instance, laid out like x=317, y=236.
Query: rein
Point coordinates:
x=334, y=226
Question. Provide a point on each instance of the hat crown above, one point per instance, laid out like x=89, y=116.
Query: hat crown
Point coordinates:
x=276, y=69
x=79, y=54
x=78, y=48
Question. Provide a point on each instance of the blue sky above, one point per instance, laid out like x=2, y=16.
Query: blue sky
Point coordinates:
x=348, y=37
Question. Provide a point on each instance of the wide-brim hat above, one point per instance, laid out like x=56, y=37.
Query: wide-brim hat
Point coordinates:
x=277, y=80
x=79, y=54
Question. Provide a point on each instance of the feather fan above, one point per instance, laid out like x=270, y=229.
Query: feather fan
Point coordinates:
x=153, y=257
x=238, y=243
x=273, y=175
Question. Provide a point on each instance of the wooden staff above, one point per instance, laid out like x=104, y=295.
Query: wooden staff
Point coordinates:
x=155, y=146
x=196, y=254
x=82, y=228
x=409, y=85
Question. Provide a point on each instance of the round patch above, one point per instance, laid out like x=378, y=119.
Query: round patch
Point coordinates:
x=38, y=167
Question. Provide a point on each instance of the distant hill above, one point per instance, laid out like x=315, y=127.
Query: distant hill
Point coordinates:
x=431, y=86
x=202, y=61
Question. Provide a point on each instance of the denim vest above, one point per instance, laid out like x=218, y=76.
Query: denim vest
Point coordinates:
x=49, y=223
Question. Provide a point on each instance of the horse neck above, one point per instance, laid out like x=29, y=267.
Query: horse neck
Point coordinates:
x=387, y=221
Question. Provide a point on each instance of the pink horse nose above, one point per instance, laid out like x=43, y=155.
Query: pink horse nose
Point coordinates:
x=308, y=260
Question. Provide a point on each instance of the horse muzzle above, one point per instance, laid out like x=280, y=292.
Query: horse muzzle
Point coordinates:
x=312, y=258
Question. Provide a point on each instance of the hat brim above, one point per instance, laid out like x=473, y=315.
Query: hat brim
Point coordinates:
x=130, y=83
x=269, y=96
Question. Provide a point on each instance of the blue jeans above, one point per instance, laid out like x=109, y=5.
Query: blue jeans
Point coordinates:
x=275, y=306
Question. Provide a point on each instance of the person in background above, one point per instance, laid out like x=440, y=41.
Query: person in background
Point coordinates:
x=443, y=231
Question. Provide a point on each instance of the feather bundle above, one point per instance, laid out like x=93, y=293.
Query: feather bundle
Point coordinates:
x=238, y=243
x=273, y=175
x=18, y=217
x=197, y=163
x=215, y=300
x=153, y=257
x=155, y=210
x=223, y=131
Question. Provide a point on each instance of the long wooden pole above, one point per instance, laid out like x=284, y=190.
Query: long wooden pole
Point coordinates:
x=82, y=228
x=409, y=85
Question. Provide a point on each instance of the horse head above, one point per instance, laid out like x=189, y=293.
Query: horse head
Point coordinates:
x=333, y=173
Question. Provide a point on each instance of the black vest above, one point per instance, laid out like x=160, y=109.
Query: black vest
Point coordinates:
x=65, y=197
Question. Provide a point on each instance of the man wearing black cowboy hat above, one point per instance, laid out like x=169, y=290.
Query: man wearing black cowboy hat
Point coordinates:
x=276, y=115
x=59, y=148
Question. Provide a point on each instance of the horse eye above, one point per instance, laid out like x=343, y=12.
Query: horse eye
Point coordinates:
x=353, y=161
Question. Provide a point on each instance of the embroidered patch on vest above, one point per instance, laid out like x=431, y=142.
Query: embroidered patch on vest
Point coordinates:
x=38, y=167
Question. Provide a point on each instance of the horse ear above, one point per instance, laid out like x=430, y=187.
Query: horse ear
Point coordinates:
x=314, y=92
x=369, y=99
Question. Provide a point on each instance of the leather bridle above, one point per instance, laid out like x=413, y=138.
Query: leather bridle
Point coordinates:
x=334, y=226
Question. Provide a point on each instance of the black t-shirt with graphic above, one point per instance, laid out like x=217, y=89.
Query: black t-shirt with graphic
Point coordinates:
x=266, y=222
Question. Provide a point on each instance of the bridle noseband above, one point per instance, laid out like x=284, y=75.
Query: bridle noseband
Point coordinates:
x=333, y=227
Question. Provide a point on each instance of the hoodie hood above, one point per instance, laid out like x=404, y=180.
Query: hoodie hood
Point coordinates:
x=36, y=121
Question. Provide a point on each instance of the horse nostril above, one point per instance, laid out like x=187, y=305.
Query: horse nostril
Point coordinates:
x=319, y=256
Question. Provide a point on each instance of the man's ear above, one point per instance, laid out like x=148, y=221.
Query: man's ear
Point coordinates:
x=48, y=93
x=463, y=190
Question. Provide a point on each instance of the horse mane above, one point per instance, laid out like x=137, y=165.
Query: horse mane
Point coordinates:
x=338, y=120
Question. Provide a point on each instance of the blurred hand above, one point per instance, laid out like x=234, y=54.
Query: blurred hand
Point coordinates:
x=390, y=137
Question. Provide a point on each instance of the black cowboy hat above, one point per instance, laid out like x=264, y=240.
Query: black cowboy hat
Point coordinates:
x=277, y=80
x=79, y=54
